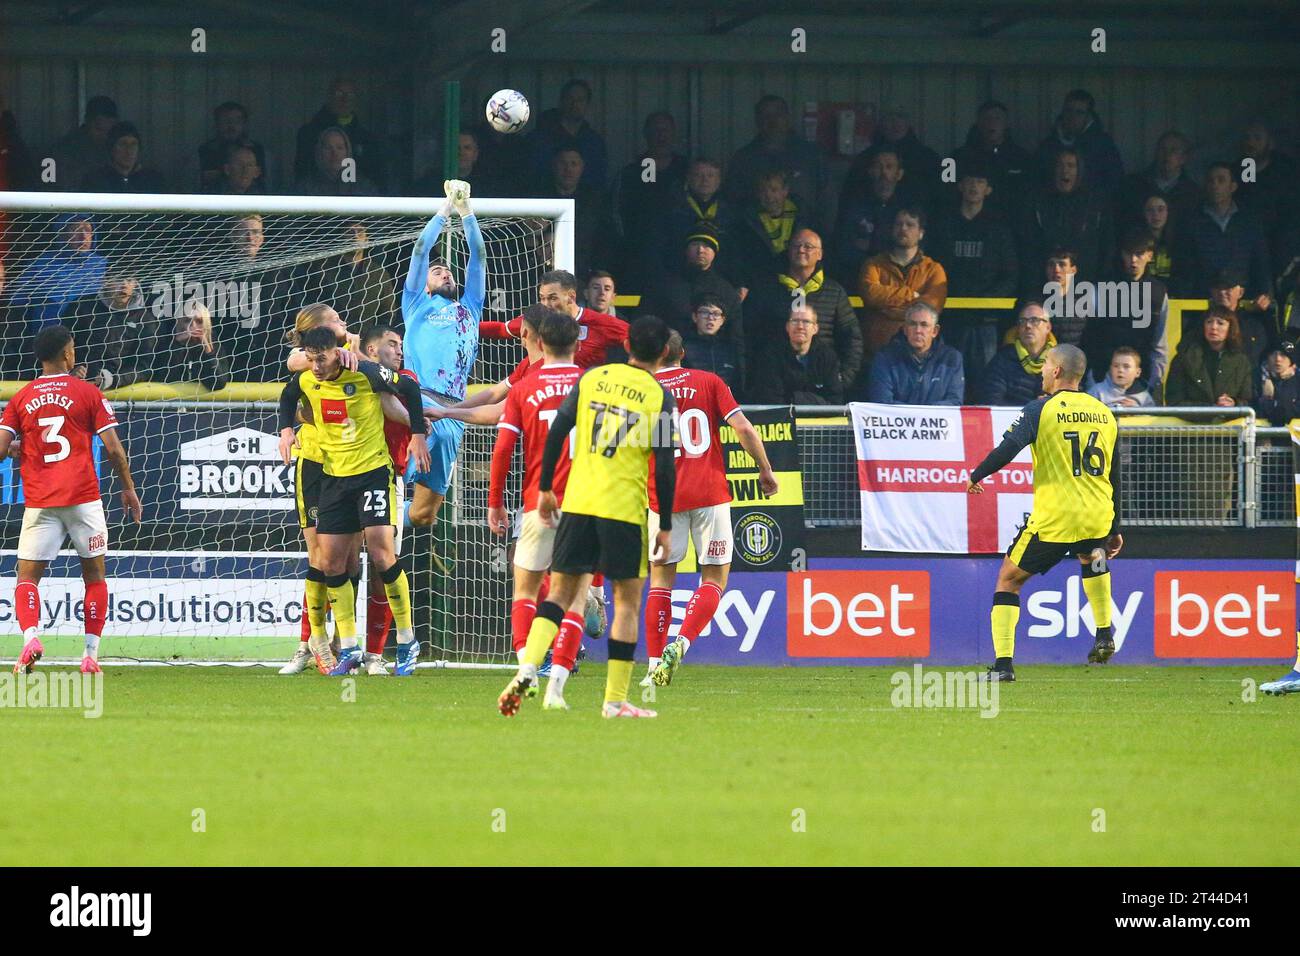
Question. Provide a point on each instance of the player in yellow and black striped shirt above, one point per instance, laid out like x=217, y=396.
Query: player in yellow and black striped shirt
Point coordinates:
x=356, y=492
x=621, y=418
x=1076, y=501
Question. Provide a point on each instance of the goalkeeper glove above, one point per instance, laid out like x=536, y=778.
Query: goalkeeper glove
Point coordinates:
x=458, y=194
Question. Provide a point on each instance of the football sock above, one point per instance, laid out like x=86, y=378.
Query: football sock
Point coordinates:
x=559, y=676
x=658, y=615
x=1004, y=616
x=568, y=642
x=598, y=580
x=1097, y=587
x=398, y=590
x=521, y=620
x=546, y=624
x=96, y=607
x=700, y=610
x=378, y=618
x=305, y=631
x=544, y=589
x=317, y=602
x=27, y=605
x=619, y=673
x=344, y=602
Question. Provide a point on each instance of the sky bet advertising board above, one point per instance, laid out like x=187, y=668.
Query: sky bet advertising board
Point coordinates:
x=879, y=611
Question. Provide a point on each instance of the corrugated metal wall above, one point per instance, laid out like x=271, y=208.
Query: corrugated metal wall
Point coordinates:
x=1135, y=105
x=171, y=100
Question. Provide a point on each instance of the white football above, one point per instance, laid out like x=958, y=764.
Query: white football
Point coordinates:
x=507, y=111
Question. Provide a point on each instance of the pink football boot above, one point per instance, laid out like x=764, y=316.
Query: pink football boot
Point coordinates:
x=32, y=652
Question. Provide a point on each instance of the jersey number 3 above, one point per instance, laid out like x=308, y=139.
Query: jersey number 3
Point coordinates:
x=53, y=427
x=1090, y=458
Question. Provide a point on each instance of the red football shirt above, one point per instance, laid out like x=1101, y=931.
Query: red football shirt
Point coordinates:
x=530, y=409
x=517, y=374
x=597, y=332
x=57, y=418
x=704, y=402
x=398, y=436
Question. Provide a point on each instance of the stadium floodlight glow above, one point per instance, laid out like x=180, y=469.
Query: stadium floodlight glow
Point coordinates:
x=215, y=572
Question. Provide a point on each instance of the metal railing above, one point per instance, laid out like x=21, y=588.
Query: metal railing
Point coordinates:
x=1206, y=467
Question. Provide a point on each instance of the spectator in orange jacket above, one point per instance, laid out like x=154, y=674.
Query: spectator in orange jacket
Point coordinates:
x=893, y=280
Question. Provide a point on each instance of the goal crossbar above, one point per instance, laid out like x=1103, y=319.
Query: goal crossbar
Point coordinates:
x=558, y=211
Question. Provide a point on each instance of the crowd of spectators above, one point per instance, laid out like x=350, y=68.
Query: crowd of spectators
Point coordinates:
x=755, y=260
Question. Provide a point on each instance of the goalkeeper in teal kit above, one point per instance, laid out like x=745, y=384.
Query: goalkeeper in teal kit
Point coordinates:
x=441, y=343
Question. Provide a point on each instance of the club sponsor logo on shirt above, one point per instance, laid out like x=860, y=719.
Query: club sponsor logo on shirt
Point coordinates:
x=333, y=411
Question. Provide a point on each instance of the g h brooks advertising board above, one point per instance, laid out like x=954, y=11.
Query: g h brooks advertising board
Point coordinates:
x=864, y=611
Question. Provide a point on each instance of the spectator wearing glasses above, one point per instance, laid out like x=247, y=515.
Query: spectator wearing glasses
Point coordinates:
x=804, y=279
x=705, y=348
x=1015, y=376
x=799, y=370
x=916, y=367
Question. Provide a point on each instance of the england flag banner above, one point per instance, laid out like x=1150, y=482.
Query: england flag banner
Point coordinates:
x=913, y=465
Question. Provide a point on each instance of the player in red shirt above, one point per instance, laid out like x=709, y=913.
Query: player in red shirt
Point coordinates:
x=529, y=410
x=484, y=407
x=703, y=502
x=383, y=344
x=597, y=332
x=56, y=418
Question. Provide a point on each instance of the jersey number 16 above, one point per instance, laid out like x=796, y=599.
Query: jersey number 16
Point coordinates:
x=1090, y=458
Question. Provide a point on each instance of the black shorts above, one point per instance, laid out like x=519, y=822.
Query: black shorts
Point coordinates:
x=350, y=503
x=307, y=475
x=585, y=544
x=1031, y=553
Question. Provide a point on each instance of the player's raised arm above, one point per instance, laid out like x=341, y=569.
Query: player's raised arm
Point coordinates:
x=752, y=442
x=476, y=270
x=1018, y=437
x=117, y=460
x=417, y=276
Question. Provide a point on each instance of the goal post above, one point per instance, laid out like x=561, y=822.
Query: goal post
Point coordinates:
x=215, y=571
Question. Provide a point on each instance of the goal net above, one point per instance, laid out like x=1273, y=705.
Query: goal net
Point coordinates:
x=181, y=307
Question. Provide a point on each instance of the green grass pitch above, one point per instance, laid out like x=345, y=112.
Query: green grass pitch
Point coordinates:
x=424, y=771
